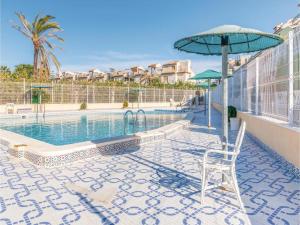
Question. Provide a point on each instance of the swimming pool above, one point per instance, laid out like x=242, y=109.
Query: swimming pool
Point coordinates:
x=74, y=128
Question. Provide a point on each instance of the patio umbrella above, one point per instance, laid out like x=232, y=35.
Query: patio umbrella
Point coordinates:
x=224, y=40
x=207, y=75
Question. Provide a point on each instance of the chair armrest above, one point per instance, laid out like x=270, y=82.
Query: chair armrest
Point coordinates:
x=222, y=152
x=220, y=143
x=228, y=144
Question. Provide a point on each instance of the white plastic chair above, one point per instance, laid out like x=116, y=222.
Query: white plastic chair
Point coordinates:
x=209, y=165
x=10, y=108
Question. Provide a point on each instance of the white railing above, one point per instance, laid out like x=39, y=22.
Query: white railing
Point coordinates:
x=21, y=93
x=270, y=83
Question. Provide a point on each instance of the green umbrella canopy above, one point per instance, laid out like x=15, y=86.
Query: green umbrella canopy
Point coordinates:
x=207, y=74
x=240, y=40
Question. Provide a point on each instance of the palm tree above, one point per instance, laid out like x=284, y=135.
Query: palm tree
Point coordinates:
x=39, y=32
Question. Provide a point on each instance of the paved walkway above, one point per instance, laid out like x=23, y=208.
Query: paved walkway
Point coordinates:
x=155, y=184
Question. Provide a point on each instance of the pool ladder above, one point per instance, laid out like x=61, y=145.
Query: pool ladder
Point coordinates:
x=134, y=120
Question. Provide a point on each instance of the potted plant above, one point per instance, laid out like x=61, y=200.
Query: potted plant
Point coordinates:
x=125, y=104
x=83, y=106
x=234, y=122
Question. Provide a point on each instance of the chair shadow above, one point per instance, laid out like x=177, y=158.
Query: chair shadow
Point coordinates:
x=93, y=209
x=182, y=184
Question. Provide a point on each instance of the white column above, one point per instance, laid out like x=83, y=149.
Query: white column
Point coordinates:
x=209, y=103
x=291, y=80
x=232, y=91
x=225, y=93
x=256, y=84
x=241, y=89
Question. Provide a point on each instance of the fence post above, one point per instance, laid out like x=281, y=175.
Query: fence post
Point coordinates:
x=72, y=94
x=24, y=88
x=52, y=92
x=128, y=94
x=154, y=95
x=256, y=84
x=62, y=93
x=87, y=94
x=291, y=81
x=109, y=94
x=158, y=94
x=30, y=93
x=93, y=93
x=173, y=94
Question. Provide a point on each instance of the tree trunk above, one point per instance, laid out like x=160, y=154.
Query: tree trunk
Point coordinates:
x=35, y=63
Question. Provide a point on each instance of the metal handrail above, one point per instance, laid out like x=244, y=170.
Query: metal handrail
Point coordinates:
x=125, y=117
x=145, y=119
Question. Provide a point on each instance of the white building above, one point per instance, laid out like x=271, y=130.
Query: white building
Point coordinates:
x=283, y=29
x=82, y=75
x=122, y=75
x=176, y=71
x=68, y=75
x=95, y=74
x=137, y=73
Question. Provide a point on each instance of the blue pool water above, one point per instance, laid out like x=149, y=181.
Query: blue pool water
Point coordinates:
x=69, y=129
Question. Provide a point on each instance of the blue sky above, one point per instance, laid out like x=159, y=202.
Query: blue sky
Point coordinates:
x=118, y=33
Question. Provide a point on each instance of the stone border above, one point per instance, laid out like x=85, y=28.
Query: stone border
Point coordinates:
x=56, y=156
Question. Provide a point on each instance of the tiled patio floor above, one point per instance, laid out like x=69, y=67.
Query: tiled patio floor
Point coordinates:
x=156, y=184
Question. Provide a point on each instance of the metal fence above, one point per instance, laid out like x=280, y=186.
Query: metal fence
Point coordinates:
x=21, y=93
x=269, y=84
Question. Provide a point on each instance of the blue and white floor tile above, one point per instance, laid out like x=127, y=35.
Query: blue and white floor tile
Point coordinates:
x=156, y=184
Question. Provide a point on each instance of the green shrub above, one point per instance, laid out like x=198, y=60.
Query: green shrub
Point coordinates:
x=125, y=104
x=83, y=106
x=231, y=112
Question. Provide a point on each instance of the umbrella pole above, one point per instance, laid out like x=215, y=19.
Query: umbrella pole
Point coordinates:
x=225, y=95
x=209, y=104
x=225, y=90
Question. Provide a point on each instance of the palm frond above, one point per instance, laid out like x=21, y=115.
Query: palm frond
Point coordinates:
x=42, y=21
x=51, y=46
x=51, y=35
x=54, y=60
x=49, y=26
x=26, y=25
x=34, y=23
x=25, y=32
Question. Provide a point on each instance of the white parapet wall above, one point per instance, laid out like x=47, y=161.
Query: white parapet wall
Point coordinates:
x=276, y=134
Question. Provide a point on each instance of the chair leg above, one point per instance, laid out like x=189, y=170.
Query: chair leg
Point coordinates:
x=203, y=185
x=236, y=189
